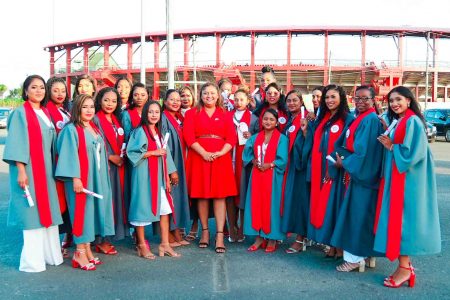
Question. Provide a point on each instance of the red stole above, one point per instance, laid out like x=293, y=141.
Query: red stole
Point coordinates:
x=134, y=116
x=262, y=92
x=178, y=128
x=38, y=164
x=153, y=170
x=292, y=136
x=397, y=196
x=352, y=129
x=116, y=145
x=261, y=193
x=80, y=198
x=57, y=119
x=238, y=165
x=320, y=193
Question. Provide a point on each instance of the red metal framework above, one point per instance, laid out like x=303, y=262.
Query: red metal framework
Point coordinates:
x=289, y=73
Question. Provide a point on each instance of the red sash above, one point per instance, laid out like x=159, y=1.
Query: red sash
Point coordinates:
x=320, y=193
x=292, y=136
x=80, y=198
x=178, y=128
x=57, y=119
x=134, y=116
x=352, y=129
x=116, y=145
x=397, y=196
x=238, y=164
x=38, y=164
x=153, y=170
x=261, y=200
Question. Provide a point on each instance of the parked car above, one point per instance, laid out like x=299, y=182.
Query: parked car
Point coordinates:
x=4, y=113
x=440, y=118
x=431, y=132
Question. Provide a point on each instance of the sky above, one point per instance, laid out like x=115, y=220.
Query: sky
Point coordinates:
x=26, y=27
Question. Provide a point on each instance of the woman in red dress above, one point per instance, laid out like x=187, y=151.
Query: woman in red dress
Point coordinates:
x=209, y=135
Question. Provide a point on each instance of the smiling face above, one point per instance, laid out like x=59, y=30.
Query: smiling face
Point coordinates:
x=272, y=96
x=87, y=110
x=209, y=96
x=85, y=87
x=269, y=122
x=124, y=88
x=398, y=103
x=109, y=102
x=36, y=91
x=187, y=100
x=173, y=102
x=293, y=103
x=363, y=100
x=240, y=101
x=58, y=93
x=316, y=95
x=154, y=114
x=332, y=100
x=140, y=96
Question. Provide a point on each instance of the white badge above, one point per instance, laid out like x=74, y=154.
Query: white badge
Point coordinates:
x=291, y=129
x=243, y=127
x=347, y=133
x=120, y=131
x=334, y=128
x=60, y=124
x=282, y=120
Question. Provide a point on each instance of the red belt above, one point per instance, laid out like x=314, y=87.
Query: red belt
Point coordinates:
x=210, y=136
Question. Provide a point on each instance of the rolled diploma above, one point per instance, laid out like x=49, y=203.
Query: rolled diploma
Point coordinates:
x=28, y=196
x=391, y=127
x=122, y=150
x=259, y=154
x=302, y=109
x=165, y=140
x=158, y=142
x=255, y=91
x=86, y=191
x=331, y=159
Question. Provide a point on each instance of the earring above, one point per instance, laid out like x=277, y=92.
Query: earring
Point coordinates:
x=408, y=105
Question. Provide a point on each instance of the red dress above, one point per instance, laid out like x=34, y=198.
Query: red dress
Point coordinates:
x=209, y=179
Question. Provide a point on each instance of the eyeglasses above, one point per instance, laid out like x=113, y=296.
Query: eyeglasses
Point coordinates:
x=361, y=99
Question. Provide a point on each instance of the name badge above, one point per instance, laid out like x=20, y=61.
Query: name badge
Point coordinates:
x=282, y=120
x=120, y=131
x=347, y=133
x=60, y=124
x=291, y=129
x=334, y=128
x=243, y=127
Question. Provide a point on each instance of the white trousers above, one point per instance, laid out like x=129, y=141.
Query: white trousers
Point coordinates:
x=348, y=257
x=40, y=246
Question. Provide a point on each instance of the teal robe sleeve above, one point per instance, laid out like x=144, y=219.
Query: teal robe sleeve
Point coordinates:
x=302, y=148
x=126, y=124
x=17, y=146
x=68, y=166
x=247, y=154
x=414, y=147
x=137, y=146
x=281, y=158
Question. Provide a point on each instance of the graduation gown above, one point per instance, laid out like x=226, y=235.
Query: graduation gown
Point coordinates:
x=141, y=192
x=276, y=182
x=322, y=233
x=209, y=179
x=420, y=230
x=354, y=225
x=17, y=149
x=179, y=191
x=98, y=213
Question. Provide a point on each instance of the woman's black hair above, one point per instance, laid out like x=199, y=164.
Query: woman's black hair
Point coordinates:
x=267, y=69
x=26, y=85
x=281, y=105
x=50, y=82
x=273, y=112
x=131, y=104
x=77, y=84
x=99, y=97
x=343, y=109
x=123, y=78
x=372, y=95
x=318, y=88
x=144, y=116
x=413, y=105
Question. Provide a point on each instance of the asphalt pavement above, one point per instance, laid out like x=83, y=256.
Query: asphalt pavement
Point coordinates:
x=202, y=274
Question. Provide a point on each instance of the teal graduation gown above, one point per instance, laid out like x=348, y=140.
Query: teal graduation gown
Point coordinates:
x=141, y=193
x=98, y=217
x=17, y=149
x=277, y=182
x=354, y=225
x=420, y=233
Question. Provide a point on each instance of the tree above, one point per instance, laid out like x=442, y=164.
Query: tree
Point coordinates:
x=15, y=93
x=3, y=89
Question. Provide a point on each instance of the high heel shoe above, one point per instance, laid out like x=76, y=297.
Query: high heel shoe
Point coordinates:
x=96, y=261
x=390, y=282
x=219, y=250
x=254, y=248
x=75, y=264
x=270, y=249
x=111, y=251
x=371, y=262
x=292, y=250
x=148, y=255
x=204, y=245
x=348, y=267
x=163, y=252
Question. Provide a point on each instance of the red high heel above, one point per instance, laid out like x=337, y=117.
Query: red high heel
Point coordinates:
x=110, y=251
x=75, y=264
x=270, y=249
x=254, y=248
x=96, y=261
x=389, y=282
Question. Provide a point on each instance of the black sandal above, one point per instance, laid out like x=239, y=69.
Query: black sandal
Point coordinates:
x=204, y=245
x=219, y=250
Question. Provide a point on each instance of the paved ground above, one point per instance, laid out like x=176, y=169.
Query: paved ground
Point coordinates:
x=202, y=274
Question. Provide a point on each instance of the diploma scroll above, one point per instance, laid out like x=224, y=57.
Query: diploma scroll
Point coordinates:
x=158, y=141
x=259, y=155
x=330, y=159
x=92, y=194
x=165, y=140
x=122, y=150
x=391, y=127
x=254, y=92
x=302, y=109
x=28, y=196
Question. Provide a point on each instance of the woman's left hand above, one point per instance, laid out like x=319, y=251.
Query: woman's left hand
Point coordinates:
x=174, y=178
x=386, y=141
x=338, y=163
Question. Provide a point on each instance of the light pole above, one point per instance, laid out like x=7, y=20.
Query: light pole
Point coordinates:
x=170, y=63
x=142, y=43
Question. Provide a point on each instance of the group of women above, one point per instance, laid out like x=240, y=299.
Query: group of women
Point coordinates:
x=263, y=165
